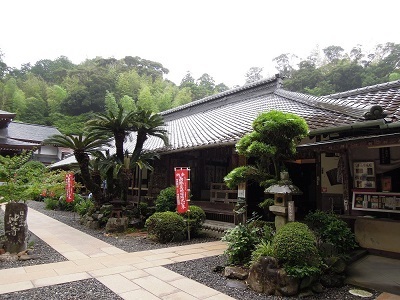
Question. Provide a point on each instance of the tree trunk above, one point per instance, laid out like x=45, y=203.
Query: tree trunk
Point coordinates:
x=16, y=227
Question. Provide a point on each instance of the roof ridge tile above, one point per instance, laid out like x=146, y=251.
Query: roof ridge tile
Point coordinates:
x=322, y=102
x=367, y=89
x=221, y=95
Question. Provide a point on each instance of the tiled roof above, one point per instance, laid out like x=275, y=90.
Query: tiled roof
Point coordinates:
x=7, y=143
x=386, y=95
x=30, y=132
x=224, y=118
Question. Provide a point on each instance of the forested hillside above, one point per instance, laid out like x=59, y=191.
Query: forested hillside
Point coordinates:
x=60, y=93
x=332, y=70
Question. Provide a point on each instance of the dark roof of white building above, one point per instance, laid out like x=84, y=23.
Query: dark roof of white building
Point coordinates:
x=30, y=132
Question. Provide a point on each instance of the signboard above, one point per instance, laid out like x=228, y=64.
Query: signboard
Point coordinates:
x=69, y=187
x=182, y=189
x=364, y=175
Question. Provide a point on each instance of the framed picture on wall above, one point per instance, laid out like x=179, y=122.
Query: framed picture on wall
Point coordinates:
x=364, y=175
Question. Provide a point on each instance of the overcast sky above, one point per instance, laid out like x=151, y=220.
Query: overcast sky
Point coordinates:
x=223, y=38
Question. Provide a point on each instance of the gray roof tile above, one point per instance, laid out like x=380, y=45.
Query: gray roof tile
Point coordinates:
x=30, y=132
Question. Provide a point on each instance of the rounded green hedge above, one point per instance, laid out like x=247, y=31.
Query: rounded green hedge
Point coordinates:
x=166, y=200
x=166, y=227
x=196, y=217
x=295, y=245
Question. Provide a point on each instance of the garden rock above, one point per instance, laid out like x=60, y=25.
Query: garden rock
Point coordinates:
x=332, y=280
x=339, y=267
x=266, y=277
x=317, y=288
x=8, y=257
x=97, y=216
x=92, y=224
x=218, y=269
x=306, y=293
x=287, y=285
x=236, y=273
x=307, y=282
x=116, y=225
x=236, y=284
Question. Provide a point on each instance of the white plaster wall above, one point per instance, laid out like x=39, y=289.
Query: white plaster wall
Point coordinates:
x=48, y=150
x=378, y=234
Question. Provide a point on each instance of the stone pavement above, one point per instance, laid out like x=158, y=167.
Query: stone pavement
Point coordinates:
x=141, y=275
x=137, y=275
x=376, y=272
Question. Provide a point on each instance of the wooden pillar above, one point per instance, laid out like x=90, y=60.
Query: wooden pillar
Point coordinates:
x=345, y=181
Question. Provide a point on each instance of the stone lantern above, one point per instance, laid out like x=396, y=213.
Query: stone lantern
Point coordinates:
x=283, y=207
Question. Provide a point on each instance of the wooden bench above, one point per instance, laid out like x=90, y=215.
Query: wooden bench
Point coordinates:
x=218, y=211
x=219, y=192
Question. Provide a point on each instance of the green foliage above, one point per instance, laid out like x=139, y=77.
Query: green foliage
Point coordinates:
x=266, y=203
x=330, y=229
x=241, y=174
x=196, y=218
x=84, y=206
x=166, y=227
x=295, y=247
x=50, y=203
x=60, y=203
x=69, y=124
x=166, y=200
x=25, y=180
x=264, y=248
x=273, y=139
x=264, y=230
x=241, y=243
x=302, y=271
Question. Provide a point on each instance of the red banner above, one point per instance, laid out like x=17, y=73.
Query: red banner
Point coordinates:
x=182, y=189
x=69, y=187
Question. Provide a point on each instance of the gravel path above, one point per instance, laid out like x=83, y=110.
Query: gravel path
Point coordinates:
x=88, y=289
x=199, y=270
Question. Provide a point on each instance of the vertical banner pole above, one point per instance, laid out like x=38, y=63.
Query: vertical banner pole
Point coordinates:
x=188, y=199
x=182, y=185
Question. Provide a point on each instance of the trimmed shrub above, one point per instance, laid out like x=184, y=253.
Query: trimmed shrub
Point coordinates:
x=241, y=243
x=330, y=229
x=166, y=227
x=295, y=247
x=196, y=218
x=166, y=200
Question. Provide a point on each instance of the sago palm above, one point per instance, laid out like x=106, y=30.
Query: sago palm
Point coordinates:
x=116, y=125
x=82, y=145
